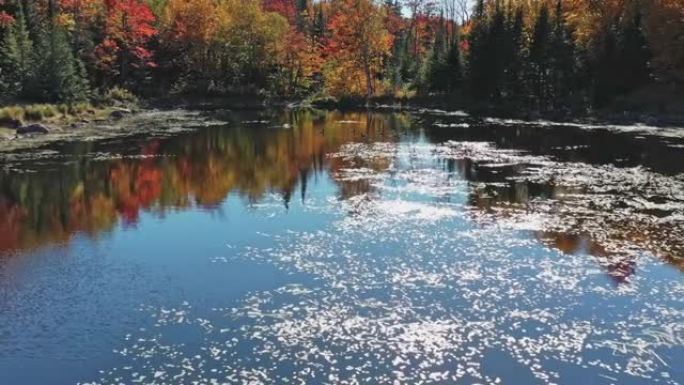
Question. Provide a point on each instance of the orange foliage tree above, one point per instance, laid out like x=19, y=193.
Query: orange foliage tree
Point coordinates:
x=357, y=47
x=189, y=26
x=299, y=60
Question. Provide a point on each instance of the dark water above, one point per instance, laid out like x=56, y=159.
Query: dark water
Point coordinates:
x=329, y=248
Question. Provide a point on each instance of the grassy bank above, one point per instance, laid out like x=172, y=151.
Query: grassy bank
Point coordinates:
x=64, y=115
x=12, y=115
x=53, y=115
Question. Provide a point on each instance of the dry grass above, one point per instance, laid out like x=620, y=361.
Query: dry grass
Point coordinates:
x=10, y=116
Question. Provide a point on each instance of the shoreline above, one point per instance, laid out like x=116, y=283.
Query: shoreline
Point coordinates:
x=110, y=121
x=606, y=116
x=56, y=119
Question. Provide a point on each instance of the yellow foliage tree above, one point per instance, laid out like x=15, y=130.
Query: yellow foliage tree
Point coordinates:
x=249, y=38
x=358, y=45
x=192, y=24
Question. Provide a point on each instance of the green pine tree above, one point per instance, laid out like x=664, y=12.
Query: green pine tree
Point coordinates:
x=301, y=10
x=60, y=76
x=563, y=67
x=16, y=58
x=515, y=56
x=634, y=56
x=622, y=65
x=488, y=53
x=436, y=66
x=604, y=67
x=395, y=64
x=477, y=60
x=540, y=58
x=496, y=54
x=454, y=67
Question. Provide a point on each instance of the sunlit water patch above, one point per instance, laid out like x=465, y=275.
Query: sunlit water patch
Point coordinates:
x=426, y=273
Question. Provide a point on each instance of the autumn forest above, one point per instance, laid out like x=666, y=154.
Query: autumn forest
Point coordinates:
x=536, y=54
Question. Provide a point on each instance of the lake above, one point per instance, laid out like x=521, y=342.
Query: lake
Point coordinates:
x=273, y=247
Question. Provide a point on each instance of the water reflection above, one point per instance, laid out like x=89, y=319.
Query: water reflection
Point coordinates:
x=585, y=221
x=618, y=267
x=98, y=186
x=627, y=186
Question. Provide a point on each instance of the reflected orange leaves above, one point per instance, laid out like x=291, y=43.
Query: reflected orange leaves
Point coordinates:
x=91, y=196
x=619, y=267
x=10, y=216
x=196, y=169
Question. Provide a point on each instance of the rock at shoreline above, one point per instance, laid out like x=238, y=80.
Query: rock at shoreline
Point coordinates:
x=119, y=113
x=35, y=128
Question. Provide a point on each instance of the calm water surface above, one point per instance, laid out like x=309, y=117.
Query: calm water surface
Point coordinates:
x=356, y=248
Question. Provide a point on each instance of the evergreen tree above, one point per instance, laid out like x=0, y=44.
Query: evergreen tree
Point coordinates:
x=301, y=15
x=33, y=18
x=605, y=81
x=60, y=76
x=454, y=67
x=514, y=80
x=477, y=59
x=563, y=67
x=496, y=54
x=634, y=56
x=318, y=23
x=540, y=58
x=437, y=71
x=16, y=58
x=393, y=72
x=622, y=65
x=408, y=68
x=487, y=60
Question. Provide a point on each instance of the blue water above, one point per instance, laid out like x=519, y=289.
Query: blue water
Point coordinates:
x=345, y=248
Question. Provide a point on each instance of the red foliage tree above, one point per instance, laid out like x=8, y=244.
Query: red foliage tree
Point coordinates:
x=286, y=8
x=128, y=29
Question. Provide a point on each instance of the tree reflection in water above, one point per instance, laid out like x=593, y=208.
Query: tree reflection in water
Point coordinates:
x=44, y=204
x=102, y=185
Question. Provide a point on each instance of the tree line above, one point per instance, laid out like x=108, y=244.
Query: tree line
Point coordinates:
x=541, y=64
x=538, y=54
